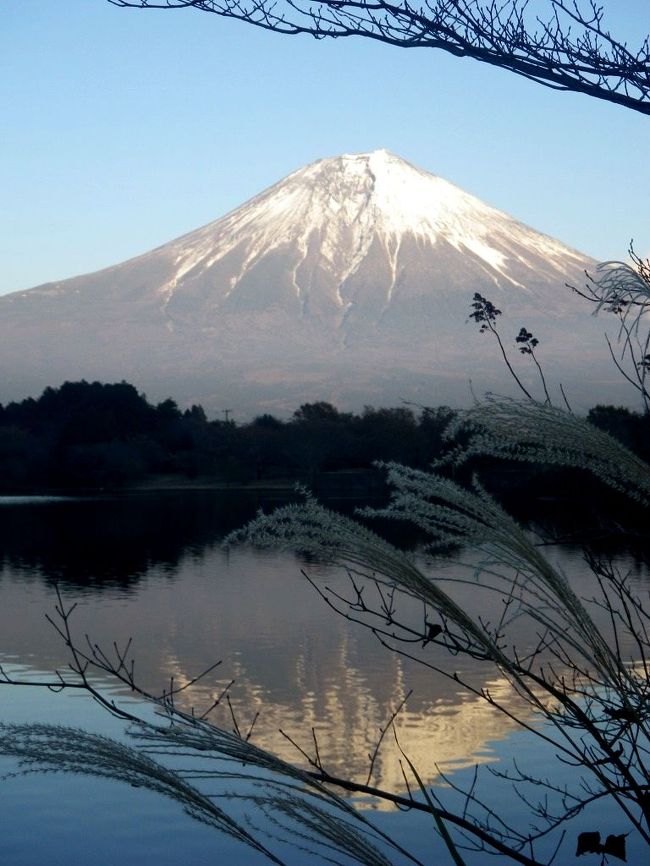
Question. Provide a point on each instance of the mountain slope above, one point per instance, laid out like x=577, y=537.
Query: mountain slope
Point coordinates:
x=349, y=280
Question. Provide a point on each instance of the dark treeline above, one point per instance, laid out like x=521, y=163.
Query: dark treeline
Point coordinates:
x=94, y=435
x=90, y=435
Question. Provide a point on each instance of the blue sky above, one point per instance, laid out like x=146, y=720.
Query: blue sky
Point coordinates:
x=123, y=129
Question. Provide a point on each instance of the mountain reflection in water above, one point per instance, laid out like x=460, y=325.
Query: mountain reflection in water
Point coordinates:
x=150, y=567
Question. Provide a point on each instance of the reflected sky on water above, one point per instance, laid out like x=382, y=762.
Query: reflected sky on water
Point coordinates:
x=151, y=567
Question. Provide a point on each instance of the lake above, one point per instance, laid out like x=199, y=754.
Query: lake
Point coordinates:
x=151, y=567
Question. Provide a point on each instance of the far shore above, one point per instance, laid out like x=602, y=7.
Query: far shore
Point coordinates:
x=359, y=482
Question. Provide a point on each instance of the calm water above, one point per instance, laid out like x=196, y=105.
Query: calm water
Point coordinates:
x=151, y=567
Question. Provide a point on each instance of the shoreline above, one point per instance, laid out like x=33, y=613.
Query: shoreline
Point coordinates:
x=346, y=481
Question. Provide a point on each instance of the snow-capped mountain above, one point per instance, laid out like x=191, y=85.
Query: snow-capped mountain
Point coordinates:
x=350, y=280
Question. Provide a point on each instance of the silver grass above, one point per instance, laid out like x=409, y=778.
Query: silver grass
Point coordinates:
x=285, y=793
x=298, y=795
x=451, y=514
x=62, y=749
x=538, y=433
x=338, y=540
x=619, y=283
x=203, y=737
x=330, y=830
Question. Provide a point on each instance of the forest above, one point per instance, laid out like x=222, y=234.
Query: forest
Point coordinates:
x=89, y=436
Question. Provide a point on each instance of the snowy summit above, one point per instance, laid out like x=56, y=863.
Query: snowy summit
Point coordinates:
x=350, y=280
x=335, y=209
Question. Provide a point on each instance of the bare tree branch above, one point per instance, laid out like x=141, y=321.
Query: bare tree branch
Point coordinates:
x=569, y=49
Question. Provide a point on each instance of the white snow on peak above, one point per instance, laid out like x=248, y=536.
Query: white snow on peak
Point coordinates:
x=342, y=204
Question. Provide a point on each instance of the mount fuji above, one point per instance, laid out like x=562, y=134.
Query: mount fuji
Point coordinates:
x=349, y=281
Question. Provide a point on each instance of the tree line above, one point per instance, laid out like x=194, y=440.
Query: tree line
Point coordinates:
x=95, y=435
x=91, y=434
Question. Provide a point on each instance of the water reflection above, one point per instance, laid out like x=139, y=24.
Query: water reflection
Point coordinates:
x=96, y=541
x=151, y=568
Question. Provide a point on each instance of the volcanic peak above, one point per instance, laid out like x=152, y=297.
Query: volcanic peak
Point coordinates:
x=338, y=206
x=355, y=269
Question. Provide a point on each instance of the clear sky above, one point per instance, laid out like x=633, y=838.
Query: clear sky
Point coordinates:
x=122, y=129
